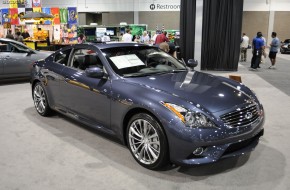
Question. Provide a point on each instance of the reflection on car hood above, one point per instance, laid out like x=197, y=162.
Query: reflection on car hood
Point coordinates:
x=213, y=93
x=42, y=54
x=45, y=53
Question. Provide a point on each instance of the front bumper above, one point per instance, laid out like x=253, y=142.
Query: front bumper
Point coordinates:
x=214, y=149
x=285, y=49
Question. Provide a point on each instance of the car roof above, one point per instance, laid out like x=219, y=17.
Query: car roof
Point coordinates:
x=10, y=40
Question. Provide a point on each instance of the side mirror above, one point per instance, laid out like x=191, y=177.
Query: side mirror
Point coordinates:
x=95, y=72
x=192, y=63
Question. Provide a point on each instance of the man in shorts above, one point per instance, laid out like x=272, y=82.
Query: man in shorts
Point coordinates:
x=274, y=48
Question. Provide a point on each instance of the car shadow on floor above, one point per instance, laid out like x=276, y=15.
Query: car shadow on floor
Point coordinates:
x=114, y=154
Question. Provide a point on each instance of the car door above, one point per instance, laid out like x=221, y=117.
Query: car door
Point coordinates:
x=88, y=98
x=52, y=74
x=15, y=60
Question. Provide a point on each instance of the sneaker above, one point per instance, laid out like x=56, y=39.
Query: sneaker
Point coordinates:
x=272, y=67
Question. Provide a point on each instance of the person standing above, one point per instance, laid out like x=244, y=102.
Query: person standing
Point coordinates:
x=127, y=37
x=244, y=47
x=18, y=37
x=161, y=38
x=145, y=38
x=274, y=48
x=25, y=34
x=258, y=47
x=10, y=35
x=264, y=54
x=106, y=38
x=153, y=39
x=81, y=39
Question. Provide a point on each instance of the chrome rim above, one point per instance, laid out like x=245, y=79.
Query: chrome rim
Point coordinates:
x=144, y=141
x=39, y=99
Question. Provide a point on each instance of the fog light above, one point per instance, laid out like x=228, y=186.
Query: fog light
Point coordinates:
x=198, y=151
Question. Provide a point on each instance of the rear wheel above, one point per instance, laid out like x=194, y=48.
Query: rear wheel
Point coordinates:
x=40, y=100
x=147, y=141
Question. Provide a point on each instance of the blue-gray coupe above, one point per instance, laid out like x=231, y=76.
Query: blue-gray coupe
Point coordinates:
x=160, y=107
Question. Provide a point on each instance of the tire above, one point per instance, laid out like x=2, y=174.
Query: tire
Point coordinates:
x=147, y=141
x=40, y=100
x=282, y=51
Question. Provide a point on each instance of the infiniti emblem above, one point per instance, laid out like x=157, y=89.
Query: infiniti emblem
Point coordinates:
x=248, y=115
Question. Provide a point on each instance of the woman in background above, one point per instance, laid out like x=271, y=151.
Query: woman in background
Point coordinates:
x=81, y=39
x=145, y=38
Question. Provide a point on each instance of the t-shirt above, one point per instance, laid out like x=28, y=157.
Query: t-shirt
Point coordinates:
x=127, y=37
x=245, y=42
x=161, y=38
x=275, y=45
x=106, y=39
x=258, y=43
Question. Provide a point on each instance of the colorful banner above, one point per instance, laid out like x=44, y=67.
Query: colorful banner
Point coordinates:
x=47, y=11
x=14, y=16
x=63, y=15
x=36, y=3
x=36, y=9
x=5, y=15
x=55, y=12
x=12, y=4
x=72, y=15
x=21, y=12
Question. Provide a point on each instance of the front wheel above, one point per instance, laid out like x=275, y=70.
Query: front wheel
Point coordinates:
x=147, y=141
x=40, y=100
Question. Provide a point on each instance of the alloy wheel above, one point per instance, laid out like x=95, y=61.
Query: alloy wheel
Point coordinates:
x=39, y=97
x=144, y=141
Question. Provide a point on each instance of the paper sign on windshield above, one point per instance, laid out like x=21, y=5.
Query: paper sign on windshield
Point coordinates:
x=125, y=61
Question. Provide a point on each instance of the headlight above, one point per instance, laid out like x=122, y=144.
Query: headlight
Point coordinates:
x=189, y=118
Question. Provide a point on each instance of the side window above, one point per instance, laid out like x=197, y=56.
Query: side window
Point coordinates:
x=6, y=47
x=85, y=58
x=62, y=57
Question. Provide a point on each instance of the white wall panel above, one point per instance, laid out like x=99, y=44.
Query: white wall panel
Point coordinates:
x=266, y=5
x=59, y=3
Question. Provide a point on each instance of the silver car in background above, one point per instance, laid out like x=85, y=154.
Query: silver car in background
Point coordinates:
x=15, y=58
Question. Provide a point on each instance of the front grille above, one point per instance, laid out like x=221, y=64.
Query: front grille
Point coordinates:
x=241, y=116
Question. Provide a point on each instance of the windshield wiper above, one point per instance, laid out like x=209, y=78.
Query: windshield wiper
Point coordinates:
x=154, y=73
x=178, y=70
x=138, y=75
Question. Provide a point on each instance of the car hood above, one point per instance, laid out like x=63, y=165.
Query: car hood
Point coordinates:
x=211, y=92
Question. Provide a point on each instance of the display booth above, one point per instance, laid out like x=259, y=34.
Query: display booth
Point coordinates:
x=59, y=29
x=95, y=32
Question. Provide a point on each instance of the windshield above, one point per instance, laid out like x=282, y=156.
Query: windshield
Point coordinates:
x=141, y=61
